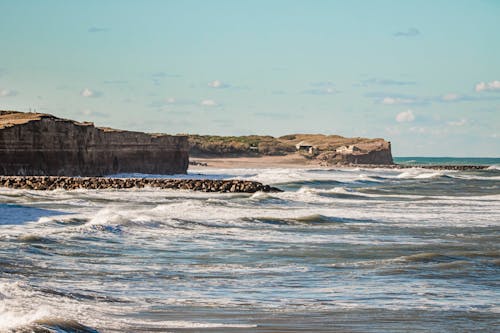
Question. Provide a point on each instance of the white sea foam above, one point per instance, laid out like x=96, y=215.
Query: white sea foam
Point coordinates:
x=494, y=167
x=189, y=324
x=17, y=306
x=308, y=249
x=419, y=174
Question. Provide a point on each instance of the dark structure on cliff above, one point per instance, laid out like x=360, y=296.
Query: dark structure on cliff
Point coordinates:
x=41, y=144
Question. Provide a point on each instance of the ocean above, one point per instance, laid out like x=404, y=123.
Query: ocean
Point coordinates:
x=340, y=250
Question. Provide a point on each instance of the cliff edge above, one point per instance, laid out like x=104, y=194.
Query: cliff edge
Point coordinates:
x=42, y=144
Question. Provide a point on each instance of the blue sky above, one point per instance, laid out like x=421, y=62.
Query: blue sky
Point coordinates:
x=423, y=74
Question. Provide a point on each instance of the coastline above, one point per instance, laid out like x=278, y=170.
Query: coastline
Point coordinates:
x=296, y=161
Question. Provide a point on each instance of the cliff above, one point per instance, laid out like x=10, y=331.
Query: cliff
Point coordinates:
x=327, y=149
x=376, y=152
x=41, y=144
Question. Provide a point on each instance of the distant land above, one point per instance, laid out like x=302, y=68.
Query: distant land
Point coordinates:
x=316, y=148
x=43, y=144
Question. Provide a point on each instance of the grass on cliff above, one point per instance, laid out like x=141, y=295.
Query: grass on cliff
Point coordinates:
x=257, y=145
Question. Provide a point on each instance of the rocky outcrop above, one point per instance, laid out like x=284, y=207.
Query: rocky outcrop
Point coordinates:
x=376, y=152
x=74, y=183
x=41, y=144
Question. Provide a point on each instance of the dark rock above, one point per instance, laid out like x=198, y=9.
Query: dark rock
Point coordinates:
x=73, y=183
x=41, y=144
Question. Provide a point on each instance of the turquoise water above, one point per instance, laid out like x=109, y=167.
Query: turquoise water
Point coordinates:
x=341, y=250
x=448, y=160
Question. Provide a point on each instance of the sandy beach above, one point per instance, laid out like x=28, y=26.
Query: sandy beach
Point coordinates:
x=287, y=161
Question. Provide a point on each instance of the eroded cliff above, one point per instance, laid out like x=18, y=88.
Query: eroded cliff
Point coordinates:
x=41, y=144
x=377, y=151
x=327, y=149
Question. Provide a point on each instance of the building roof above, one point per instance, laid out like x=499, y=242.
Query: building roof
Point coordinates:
x=303, y=144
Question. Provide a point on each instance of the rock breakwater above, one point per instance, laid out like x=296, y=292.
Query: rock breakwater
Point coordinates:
x=74, y=183
x=418, y=166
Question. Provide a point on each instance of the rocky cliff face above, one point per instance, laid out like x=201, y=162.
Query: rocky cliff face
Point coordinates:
x=375, y=152
x=41, y=144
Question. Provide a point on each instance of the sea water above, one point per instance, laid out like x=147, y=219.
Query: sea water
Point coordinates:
x=340, y=250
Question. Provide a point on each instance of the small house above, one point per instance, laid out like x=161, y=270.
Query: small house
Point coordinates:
x=303, y=146
x=347, y=149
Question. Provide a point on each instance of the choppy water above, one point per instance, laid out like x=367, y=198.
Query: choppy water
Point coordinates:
x=352, y=250
x=447, y=160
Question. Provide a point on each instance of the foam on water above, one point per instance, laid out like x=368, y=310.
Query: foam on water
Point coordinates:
x=335, y=241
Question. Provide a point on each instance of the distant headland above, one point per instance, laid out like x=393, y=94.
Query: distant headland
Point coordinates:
x=42, y=144
x=38, y=144
x=312, y=149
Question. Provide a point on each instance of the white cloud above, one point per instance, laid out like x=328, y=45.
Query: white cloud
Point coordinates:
x=450, y=97
x=208, y=102
x=170, y=100
x=460, y=122
x=218, y=84
x=405, y=117
x=321, y=91
x=396, y=101
x=488, y=86
x=7, y=92
x=89, y=93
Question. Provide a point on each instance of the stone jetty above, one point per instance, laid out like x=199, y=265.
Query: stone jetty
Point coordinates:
x=420, y=166
x=74, y=183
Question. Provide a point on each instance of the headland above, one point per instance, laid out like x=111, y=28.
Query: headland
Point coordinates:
x=42, y=144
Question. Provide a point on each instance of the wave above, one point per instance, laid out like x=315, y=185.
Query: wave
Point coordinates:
x=476, y=177
x=424, y=257
x=180, y=324
x=493, y=167
x=419, y=174
x=56, y=325
x=19, y=312
x=313, y=219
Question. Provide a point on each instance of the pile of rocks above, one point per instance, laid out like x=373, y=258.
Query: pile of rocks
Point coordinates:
x=409, y=166
x=73, y=183
x=448, y=167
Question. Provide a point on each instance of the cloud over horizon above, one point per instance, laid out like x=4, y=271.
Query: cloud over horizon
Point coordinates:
x=397, y=101
x=405, y=117
x=217, y=84
x=89, y=93
x=386, y=82
x=209, y=103
x=321, y=88
x=488, y=86
x=7, y=92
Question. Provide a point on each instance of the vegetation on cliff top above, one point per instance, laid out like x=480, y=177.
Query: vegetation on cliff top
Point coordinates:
x=257, y=145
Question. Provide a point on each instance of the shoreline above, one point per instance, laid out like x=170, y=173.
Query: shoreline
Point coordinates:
x=295, y=161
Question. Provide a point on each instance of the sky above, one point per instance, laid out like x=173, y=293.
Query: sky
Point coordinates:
x=424, y=75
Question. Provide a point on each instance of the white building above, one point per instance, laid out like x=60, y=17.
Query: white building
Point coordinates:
x=347, y=149
x=305, y=147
